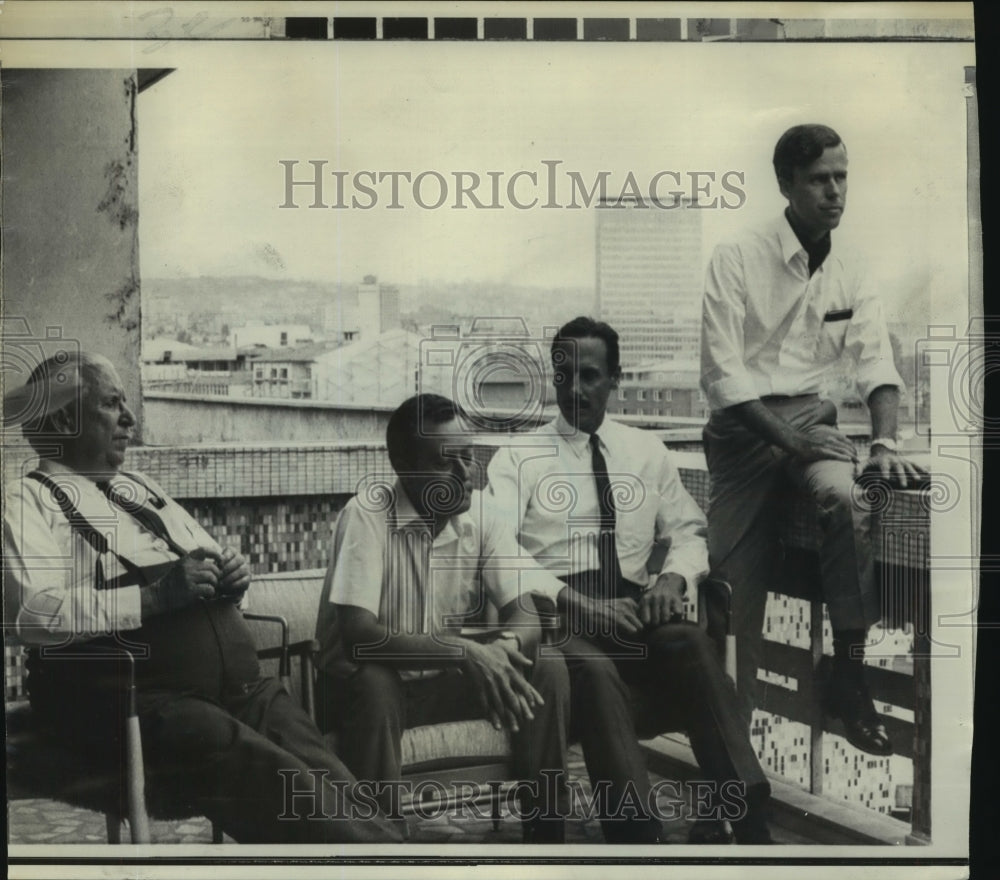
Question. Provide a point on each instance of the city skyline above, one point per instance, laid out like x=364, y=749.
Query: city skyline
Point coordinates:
x=211, y=190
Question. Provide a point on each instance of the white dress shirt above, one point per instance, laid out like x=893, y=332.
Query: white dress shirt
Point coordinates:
x=763, y=328
x=384, y=559
x=543, y=482
x=49, y=570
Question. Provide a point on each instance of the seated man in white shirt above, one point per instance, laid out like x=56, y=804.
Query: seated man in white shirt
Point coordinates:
x=96, y=558
x=589, y=497
x=781, y=308
x=411, y=558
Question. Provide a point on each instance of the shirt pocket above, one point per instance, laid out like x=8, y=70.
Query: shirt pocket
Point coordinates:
x=830, y=345
x=635, y=515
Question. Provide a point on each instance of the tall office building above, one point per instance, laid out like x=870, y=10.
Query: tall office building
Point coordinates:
x=363, y=311
x=377, y=307
x=650, y=279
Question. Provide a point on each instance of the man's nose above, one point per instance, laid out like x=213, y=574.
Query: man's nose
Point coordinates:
x=127, y=417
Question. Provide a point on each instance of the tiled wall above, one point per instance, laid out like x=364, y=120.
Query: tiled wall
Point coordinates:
x=274, y=534
x=255, y=471
x=277, y=504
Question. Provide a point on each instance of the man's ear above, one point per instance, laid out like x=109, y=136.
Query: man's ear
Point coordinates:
x=616, y=378
x=64, y=420
x=784, y=186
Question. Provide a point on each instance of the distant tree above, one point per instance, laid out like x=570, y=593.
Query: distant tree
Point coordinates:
x=183, y=336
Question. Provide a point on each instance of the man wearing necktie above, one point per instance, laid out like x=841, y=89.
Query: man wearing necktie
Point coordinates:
x=99, y=556
x=590, y=498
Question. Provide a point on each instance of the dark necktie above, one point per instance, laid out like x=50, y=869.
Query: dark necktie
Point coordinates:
x=607, y=551
x=145, y=516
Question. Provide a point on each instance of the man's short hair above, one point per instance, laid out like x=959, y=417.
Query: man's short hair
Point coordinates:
x=800, y=146
x=58, y=385
x=405, y=424
x=586, y=328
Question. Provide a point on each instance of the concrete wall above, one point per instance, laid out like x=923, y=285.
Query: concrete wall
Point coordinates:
x=176, y=419
x=70, y=219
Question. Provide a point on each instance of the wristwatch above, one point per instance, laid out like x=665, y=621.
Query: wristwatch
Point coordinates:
x=886, y=443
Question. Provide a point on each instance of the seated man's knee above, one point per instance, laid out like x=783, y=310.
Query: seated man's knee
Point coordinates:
x=684, y=641
x=373, y=692
x=683, y=646
x=192, y=726
x=832, y=486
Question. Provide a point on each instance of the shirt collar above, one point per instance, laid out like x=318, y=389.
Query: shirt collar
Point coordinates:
x=789, y=241
x=579, y=441
x=817, y=251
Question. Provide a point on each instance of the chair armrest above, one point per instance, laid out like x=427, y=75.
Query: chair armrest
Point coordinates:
x=715, y=604
x=305, y=648
x=105, y=652
x=284, y=663
x=715, y=616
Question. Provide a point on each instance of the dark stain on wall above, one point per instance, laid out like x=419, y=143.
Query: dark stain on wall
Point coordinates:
x=120, y=300
x=116, y=203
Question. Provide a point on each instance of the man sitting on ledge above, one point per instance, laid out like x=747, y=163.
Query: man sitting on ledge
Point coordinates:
x=404, y=566
x=217, y=737
x=784, y=307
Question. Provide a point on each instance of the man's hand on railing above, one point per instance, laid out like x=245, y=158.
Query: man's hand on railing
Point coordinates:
x=664, y=601
x=894, y=468
x=506, y=696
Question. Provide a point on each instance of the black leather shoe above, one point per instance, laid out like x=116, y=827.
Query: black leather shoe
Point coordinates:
x=851, y=702
x=709, y=832
x=543, y=831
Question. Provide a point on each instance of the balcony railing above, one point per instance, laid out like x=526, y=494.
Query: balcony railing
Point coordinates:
x=277, y=503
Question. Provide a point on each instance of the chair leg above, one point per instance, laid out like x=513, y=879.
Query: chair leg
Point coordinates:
x=135, y=774
x=113, y=825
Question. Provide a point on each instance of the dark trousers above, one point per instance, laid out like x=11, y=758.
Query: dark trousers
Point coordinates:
x=236, y=758
x=371, y=708
x=668, y=678
x=751, y=482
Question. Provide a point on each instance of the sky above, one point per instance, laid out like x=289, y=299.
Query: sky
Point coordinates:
x=214, y=132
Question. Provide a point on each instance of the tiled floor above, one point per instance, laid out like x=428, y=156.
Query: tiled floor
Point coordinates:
x=50, y=822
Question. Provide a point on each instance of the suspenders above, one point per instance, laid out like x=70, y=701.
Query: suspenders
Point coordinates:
x=82, y=526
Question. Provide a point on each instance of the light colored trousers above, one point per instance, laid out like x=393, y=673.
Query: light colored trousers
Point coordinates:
x=752, y=482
